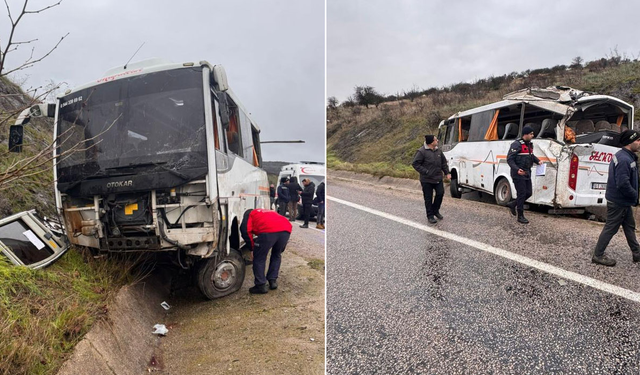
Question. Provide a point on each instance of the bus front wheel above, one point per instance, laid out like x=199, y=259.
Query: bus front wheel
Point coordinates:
x=221, y=277
x=503, y=192
x=455, y=189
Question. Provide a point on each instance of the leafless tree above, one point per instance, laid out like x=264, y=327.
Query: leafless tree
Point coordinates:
x=39, y=157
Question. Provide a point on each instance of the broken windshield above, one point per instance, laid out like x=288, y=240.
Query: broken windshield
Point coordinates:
x=143, y=121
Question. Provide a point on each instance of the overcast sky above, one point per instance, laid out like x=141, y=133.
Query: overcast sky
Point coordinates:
x=392, y=45
x=273, y=52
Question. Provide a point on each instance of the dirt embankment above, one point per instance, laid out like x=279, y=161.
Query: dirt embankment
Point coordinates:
x=281, y=332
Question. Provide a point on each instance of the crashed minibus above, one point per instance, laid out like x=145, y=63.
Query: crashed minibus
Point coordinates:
x=159, y=157
x=576, y=136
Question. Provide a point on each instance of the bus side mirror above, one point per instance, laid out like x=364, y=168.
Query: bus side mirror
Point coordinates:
x=16, y=133
x=220, y=78
x=224, y=110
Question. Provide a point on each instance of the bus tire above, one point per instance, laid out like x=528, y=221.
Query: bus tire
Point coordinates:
x=502, y=192
x=455, y=189
x=219, y=278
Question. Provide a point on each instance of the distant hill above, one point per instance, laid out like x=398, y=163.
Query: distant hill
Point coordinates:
x=382, y=138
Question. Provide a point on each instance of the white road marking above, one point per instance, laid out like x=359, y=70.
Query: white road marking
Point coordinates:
x=545, y=267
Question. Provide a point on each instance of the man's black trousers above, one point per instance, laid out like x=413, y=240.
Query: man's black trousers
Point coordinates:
x=524, y=192
x=430, y=203
x=277, y=242
x=306, y=212
x=617, y=215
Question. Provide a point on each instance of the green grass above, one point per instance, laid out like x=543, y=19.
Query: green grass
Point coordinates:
x=44, y=313
x=316, y=264
x=379, y=169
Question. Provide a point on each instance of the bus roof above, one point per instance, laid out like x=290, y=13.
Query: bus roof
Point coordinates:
x=555, y=99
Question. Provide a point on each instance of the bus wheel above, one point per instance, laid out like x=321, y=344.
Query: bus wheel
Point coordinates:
x=219, y=278
x=455, y=189
x=503, y=192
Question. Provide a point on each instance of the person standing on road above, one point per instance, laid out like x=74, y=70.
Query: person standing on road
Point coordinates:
x=283, y=196
x=273, y=233
x=294, y=190
x=307, y=200
x=621, y=195
x=319, y=200
x=521, y=158
x=431, y=163
x=272, y=196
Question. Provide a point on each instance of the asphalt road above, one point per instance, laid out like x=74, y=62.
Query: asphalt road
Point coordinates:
x=403, y=300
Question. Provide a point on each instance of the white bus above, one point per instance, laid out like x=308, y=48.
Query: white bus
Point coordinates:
x=576, y=136
x=168, y=161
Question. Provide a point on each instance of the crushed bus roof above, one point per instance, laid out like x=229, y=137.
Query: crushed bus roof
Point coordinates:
x=555, y=99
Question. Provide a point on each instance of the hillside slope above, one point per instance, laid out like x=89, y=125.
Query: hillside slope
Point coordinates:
x=34, y=191
x=382, y=140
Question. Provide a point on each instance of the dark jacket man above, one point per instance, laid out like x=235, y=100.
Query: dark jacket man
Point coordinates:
x=273, y=233
x=521, y=158
x=307, y=192
x=283, y=196
x=319, y=200
x=294, y=188
x=307, y=199
x=622, y=194
x=622, y=183
x=431, y=163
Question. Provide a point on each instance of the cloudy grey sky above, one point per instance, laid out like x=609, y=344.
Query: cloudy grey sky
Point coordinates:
x=392, y=45
x=273, y=52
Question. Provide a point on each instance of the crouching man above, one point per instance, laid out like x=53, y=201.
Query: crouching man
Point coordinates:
x=272, y=231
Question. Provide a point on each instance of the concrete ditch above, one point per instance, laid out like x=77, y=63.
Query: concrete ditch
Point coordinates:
x=123, y=343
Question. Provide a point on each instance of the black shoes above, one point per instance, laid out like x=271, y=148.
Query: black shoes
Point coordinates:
x=304, y=226
x=521, y=218
x=605, y=261
x=432, y=220
x=636, y=257
x=259, y=289
x=440, y=217
x=273, y=284
x=512, y=208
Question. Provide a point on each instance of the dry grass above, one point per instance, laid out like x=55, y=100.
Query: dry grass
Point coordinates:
x=44, y=313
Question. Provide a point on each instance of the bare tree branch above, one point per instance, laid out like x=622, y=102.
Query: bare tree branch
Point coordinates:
x=43, y=9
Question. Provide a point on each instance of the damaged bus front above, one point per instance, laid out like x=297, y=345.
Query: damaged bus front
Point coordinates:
x=160, y=157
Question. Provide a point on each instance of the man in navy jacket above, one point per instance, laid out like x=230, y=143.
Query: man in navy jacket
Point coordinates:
x=622, y=194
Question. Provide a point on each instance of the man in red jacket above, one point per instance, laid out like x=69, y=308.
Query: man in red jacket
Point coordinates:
x=273, y=231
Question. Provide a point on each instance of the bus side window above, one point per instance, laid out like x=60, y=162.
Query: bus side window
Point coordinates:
x=233, y=132
x=246, y=132
x=257, y=151
x=465, y=129
x=452, y=132
x=480, y=123
x=216, y=123
x=442, y=135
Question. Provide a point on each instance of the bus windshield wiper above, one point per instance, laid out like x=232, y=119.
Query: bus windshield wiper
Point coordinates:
x=151, y=163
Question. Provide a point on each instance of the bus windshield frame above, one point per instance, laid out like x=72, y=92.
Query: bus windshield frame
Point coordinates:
x=153, y=121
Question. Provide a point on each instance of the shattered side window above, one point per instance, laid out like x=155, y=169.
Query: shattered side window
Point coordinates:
x=24, y=244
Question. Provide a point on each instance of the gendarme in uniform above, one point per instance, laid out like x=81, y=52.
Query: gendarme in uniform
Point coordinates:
x=521, y=159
